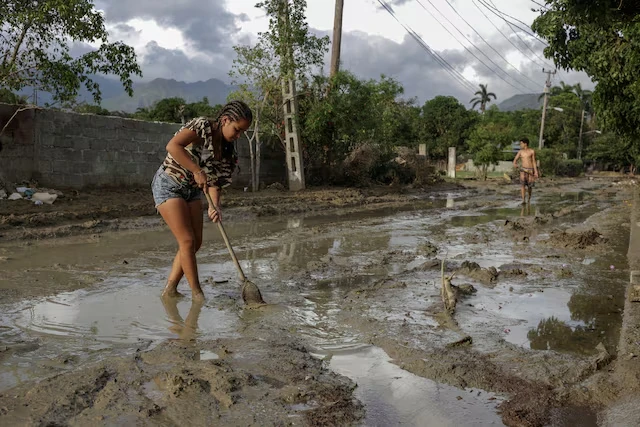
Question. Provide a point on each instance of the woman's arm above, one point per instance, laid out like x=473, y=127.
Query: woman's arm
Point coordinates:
x=214, y=213
x=176, y=147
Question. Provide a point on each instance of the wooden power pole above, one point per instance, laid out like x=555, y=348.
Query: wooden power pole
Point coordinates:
x=295, y=166
x=337, y=38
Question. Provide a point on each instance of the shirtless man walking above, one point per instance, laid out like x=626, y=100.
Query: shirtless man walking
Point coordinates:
x=528, y=170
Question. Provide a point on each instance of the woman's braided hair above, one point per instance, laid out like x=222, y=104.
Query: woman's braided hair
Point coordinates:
x=234, y=110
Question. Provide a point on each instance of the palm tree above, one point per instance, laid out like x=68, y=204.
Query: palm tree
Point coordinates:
x=482, y=98
x=558, y=90
x=584, y=96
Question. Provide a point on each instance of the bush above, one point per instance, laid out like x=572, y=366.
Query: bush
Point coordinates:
x=549, y=161
x=571, y=167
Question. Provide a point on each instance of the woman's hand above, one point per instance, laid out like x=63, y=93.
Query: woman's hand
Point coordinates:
x=201, y=178
x=214, y=214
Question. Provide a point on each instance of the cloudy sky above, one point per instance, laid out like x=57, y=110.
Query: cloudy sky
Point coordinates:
x=192, y=40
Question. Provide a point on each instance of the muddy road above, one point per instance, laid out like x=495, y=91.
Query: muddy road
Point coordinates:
x=354, y=333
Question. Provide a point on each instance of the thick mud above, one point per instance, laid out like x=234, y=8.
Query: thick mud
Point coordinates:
x=355, y=332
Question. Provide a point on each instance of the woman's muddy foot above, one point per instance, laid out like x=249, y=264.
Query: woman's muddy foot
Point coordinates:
x=197, y=297
x=171, y=293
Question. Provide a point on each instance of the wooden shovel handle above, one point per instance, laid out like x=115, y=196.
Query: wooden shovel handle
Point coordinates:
x=226, y=240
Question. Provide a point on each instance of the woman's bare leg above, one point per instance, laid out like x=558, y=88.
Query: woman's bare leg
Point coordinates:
x=171, y=289
x=178, y=216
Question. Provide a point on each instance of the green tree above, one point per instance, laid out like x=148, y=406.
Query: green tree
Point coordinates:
x=35, y=39
x=483, y=97
x=171, y=110
x=9, y=97
x=445, y=123
x=562, y=128
x=599, y=37
x=287, y=50
x=486, y=143
x=614, y=151
x=353, y=113
x=91, y=109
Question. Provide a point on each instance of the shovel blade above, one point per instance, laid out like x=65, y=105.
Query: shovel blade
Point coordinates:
x=251, y=294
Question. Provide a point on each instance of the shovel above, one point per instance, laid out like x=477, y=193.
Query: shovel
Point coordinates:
x=250, y=293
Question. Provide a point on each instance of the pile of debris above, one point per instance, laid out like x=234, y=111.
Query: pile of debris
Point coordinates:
x=39, y=196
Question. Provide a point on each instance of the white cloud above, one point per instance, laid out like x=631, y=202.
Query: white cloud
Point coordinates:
x=190, y=40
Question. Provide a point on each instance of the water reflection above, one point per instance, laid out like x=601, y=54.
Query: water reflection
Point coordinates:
x=450, y=203
x=185, y=329
x=596, y=316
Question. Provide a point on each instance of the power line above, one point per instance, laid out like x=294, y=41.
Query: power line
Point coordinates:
x=493, y=8
x=492, y=48
x=468, y=50
x=516, y=34
x=443, y=63
x=540, y=4
x=544, y=43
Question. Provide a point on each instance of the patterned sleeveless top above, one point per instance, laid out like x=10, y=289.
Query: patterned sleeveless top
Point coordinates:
x=218, y=171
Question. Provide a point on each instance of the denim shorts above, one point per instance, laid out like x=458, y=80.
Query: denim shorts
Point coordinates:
x=164, y=188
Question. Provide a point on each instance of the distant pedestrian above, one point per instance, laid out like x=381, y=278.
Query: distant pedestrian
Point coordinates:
x=186, y=172
x=528, y=169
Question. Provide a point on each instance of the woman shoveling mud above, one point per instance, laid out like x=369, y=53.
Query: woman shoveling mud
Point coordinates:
x=179, y=183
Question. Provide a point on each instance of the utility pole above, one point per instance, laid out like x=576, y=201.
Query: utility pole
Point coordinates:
x=337, y=38
x=580, y=138
x=547, y=87
x=295, y=167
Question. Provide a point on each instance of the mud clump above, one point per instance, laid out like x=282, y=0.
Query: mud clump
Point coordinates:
x=427, y=249
x=173, y=385
x=576, y=240
x=486, y=276
x=276, y=186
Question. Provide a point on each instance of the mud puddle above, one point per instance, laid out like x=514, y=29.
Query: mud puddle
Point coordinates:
x=352, y=288
x=393, y=396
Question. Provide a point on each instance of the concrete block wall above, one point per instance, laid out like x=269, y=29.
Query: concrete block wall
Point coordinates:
x=62, y=149
x=81, y=150
x=16, y=156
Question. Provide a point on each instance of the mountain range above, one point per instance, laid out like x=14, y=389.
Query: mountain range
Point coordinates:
x=145, y=94
x=521, y=102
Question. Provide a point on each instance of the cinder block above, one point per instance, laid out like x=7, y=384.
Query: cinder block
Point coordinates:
x=44, y=167
x=123, y=156
x=62, y=166
x=60, y=154
x=83, y=168
x=97, y=144
x=63, y=141
x=81, y=143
